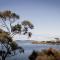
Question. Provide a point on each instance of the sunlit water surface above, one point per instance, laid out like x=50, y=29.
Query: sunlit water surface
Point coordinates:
x=28, y=48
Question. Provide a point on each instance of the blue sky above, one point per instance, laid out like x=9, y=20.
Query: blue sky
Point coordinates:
x=44, y=14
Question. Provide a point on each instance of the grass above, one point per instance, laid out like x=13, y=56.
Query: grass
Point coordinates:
x=47, y=54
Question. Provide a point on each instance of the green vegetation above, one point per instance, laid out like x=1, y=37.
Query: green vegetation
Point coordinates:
x=20, y=28
x=6, y=37
x=47, y=54
x=7, y=43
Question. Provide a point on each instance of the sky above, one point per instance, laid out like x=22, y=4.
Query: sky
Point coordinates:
x=44, y=14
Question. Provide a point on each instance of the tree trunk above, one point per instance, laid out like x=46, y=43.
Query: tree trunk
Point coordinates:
x=3, y=58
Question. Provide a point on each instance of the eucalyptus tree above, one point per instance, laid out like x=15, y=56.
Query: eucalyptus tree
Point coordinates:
x=8, y=16
x=6, y=37
x=18, y=28
x=27, y=25
x=8, y=45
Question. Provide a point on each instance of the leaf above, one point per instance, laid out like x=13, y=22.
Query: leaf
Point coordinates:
x=27, y=23
x=17, y=28
x=5, y=37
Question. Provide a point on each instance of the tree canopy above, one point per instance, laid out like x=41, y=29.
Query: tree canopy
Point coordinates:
x=18, y=28
x=6, y=37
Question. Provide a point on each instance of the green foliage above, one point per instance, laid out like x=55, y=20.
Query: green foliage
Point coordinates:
x=8, y=14
x=7, y=42
x=17, y=28
x=28, y=23
x=13, y=45
x=29, y=34
x=14, y=15
x=4, y=37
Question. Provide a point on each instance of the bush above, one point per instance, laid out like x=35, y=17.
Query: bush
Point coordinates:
x=47, y=54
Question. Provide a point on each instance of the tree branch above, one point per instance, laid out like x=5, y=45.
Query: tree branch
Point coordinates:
x=6, y=25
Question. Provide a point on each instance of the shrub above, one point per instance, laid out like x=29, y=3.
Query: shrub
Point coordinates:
x=47, y=54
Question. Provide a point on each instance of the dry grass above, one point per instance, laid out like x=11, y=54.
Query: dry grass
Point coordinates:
x=47, y=54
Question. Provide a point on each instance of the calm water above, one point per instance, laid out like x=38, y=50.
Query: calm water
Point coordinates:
x=28, y=48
